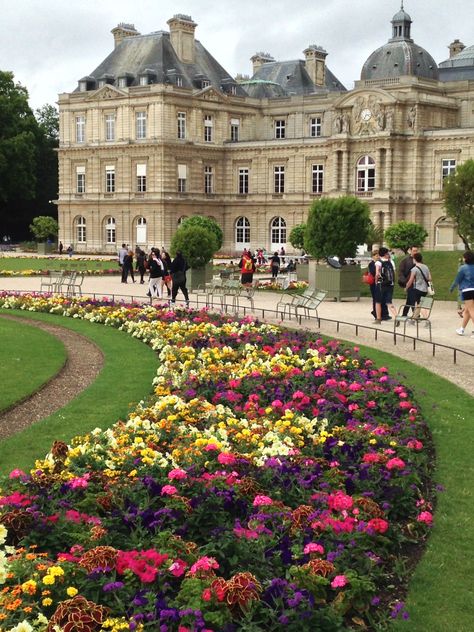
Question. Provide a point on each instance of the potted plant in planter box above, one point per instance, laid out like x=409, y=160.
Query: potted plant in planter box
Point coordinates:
x=297, y=241
x=335, y=227
x=198, y=246
x=44, y=229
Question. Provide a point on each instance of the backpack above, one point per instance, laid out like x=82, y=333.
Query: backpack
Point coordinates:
x=387, y=274
x=248, y=265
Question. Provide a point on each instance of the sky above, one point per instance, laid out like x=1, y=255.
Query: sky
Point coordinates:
x=50, y=44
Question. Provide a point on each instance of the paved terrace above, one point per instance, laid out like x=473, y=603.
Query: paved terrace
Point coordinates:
x=338, y=319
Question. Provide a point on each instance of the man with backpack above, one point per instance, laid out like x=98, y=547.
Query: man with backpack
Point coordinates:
x=247, y=268
x=384, y=284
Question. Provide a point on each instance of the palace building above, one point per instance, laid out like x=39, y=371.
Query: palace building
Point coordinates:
x=159, y=131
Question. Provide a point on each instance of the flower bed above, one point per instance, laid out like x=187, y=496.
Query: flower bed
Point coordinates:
x=274, y=482
x=30, y=273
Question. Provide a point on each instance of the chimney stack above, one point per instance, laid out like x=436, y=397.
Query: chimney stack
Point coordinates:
x=455, y=48
x=182, y=37
x=259, y=59
x=315, y=63
x=121, y=31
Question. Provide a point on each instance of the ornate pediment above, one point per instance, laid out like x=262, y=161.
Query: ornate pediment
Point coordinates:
x=107, y=92
x=211, y=94
x=364, y=113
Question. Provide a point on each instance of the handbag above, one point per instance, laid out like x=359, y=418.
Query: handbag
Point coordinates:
x=368, y=278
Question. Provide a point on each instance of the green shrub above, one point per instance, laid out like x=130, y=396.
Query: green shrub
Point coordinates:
x=209, y=224
x=197, y=244
x=297, y=236
x=403, y=235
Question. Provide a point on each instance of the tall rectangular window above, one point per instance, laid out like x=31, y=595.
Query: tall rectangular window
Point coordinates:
x=279, y=179
x=315, y=126
x=81, y=230
x=80, y=129
x=80, y=179
x=208, y=180
x=234, y=130
x=182, y=176
x=318, y=178
x=280, y=128
x=141, y=178
x=110, y=127
x=208, y=128
x=181, y=125
x=110, y=179
x=448, y=167
x=140, y=125
x=243, y=180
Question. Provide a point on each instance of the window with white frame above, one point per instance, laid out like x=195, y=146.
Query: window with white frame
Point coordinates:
x=181, y=125
x=110, y=127
x=243, y=180
x=315, y=126
x=80, y=179
x=141, y=230
x=242, y=232
x=365, y=174
x=81, y=230
x=234, y=130
x=448, y=167
x=144, y=80
x=182, y=176
x=110, y=231
x=208, y=128
x=317, y=178
x=279, y=179
x=110, y=178
x=179, y=82
x=280, y=128
x=140, y=125
x=80, y=129
x=208, y=179
x=141, y=178
x=278, y=231
x=122, y=82
x=206, y=83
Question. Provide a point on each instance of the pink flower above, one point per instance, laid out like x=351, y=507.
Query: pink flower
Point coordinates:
x=204, y=564
x=378, y=525
x=226, y=459
x=210, y=446
x=298, y=395
x=79, y=481
x=395, y=464
x=177, y=474
x=313, y=547
x=339, y=581
x=277, y=403
x=405, y=405
x=339, y=501
x=262, y=500
x=414, y=444
x=168, y=490
x=426, y=517
x=178, y=567
x=17, y=474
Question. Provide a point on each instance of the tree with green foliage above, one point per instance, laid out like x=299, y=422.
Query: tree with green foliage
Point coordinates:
x=336, y=226
x=404, y=235
x=207, y=223
x=198, y=245
x=459, y=201
x=44, y=227
x=297, y=236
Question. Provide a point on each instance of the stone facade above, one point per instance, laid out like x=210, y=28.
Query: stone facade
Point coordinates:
x=137, y=156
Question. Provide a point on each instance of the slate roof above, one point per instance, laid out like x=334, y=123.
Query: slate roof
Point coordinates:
x=458, y=68
x=293, y=78
x=398, y=58
x=154, y=53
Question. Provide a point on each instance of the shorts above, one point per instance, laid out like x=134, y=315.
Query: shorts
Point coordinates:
x=384, y=294
x=468, y=295
x=247, y=277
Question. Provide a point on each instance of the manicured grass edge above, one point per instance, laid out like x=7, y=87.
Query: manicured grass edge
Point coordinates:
x=440, y=593
x=126, y=377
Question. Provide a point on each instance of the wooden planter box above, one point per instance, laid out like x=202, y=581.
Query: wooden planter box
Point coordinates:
x=196, y=277
x=339, y=283
x=44, y=248
x=302, y=271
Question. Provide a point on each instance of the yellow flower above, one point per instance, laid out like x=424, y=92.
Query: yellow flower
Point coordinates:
x=49, y=580
x=29, y=587
x=373, y=441
x=71, y=591
x=47, y=601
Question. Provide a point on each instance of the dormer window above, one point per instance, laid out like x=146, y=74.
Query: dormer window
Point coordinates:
x=82, y=86
x=106, y=79
x=144, y=80
x=206, y=83
x=124, y=81
x=146, y=77
x=179, y=82
x=86, y=83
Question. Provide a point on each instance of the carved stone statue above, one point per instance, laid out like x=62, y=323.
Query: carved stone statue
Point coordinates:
x=380, y=116
x=346, y=123
x=338, y=123
x=411, y=117
x=389, y=120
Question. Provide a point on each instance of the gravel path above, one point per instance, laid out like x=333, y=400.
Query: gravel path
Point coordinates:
x=84, y=362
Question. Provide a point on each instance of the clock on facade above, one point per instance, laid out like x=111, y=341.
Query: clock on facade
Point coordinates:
x=366, y=114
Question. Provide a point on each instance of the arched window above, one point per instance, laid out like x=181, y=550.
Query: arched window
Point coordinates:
x=141, y=230
x=81, y=230
x=242, y=233
x=365, y=174
x=277, y=232
x=110, y=231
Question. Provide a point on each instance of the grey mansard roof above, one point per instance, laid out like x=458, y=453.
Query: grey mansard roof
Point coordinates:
x=292, y=78
x=458, y=68
x=155, y=55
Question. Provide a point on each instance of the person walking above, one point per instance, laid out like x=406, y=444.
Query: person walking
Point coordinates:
x=247, y=268
x=275, y=264
x=178, y=269
x=61, y=248
x=404, y=270
x=464, y=280
x=374, y=288
x=155, y=267
x=166, y=279
x=141, y=265
x=127, y=267
x=123, y=251
x=417, y=283
x=384, y=279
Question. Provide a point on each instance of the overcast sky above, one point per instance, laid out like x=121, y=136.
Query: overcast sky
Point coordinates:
x=50, y=44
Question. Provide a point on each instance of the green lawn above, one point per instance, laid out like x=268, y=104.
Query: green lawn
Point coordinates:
x=30, y=357
x=126, y=377
x=443, y=267
x=55, y=263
